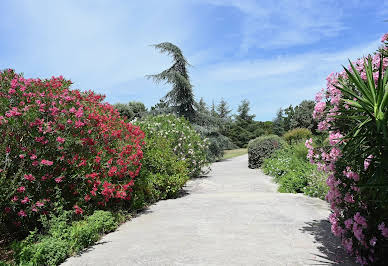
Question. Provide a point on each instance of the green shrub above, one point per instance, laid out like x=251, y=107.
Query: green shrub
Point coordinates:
x=291, y=169
x=186, y=143
x=162, y=176
x=297, y=135
x=261, y=148
x=62, y=238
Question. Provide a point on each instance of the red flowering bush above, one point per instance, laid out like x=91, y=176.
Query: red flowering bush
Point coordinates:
x=354, y=110
x=61, y=147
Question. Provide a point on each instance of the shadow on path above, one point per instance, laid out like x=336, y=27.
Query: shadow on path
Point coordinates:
x=329, y=245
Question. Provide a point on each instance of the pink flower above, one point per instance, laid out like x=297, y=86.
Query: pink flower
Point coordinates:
x=14, y=198
x=21, y=189
x=60, y=140
x=33, y=157
x=383, y=229
x=21, y=213
x=367, y=162
x=58, y=179
x=384, y=38
x=39, y=204
x=21, y=156
x=373, y=241
x=46, y=162
x=360, y=220
x=348, y=244
x=25, y=200
x=7, y=209
x=335, y=138
x=29, y=177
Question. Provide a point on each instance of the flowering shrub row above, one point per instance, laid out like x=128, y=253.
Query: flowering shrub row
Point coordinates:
x=61, y=147
x=186, y=143
x=354, y=110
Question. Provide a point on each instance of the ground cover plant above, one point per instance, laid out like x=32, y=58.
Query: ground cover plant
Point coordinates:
x=354, y=110
x=62, y=237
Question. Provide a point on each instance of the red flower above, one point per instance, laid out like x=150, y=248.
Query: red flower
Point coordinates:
x=29, y=177
x=78, y=210
x=21, y=189
x=46, y=162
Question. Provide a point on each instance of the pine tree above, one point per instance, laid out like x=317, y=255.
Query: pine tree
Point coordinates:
x=223, y=109
x=243, y=111
x=213, y=110
x=181, y=96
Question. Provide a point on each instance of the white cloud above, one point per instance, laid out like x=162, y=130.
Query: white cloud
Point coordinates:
x=276, y=82
x=286, y=23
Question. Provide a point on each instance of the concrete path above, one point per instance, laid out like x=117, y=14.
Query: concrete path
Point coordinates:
x=232, y=217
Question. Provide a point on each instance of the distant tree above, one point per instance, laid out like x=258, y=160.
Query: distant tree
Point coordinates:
x=243, y=112
x=162, y=104
x=138, y=108
x=213, y=111
x=300, y=116
x=288, y=118
x=278, y=123
x=181, y=96
x=223, y=109
x=201, y=106
x=124, y=110
x=303, y=116
x=131, y=110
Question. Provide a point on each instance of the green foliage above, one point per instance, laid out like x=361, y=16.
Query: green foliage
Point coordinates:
x=131, y=110
x=162, y=175
x=261, y=148
x=62, y=238
x=243, y=111
x=223, y=109
x=291, y=169
x=181, y=96
x=185, y=142
x=299, y=116
x=297, y=135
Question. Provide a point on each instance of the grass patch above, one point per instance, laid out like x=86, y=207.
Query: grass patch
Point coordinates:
x=234, y=153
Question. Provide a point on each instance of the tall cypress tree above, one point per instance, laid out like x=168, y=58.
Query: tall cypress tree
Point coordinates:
x=181, y=96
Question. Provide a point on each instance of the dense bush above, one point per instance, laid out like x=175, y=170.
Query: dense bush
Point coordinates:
x=291, y=169
x=261, y=148
x=354, y=110
x=296, y=135
x=186, y=143
x=162, y=176
x=61, y=147
x=62, y=238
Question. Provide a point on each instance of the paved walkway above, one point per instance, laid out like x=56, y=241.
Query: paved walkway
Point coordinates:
x=232, y=217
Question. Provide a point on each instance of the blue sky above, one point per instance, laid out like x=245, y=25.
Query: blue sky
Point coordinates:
x=274, y=53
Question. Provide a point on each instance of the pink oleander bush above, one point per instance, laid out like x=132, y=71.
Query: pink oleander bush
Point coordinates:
x=61, y=148
x=354, y=110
